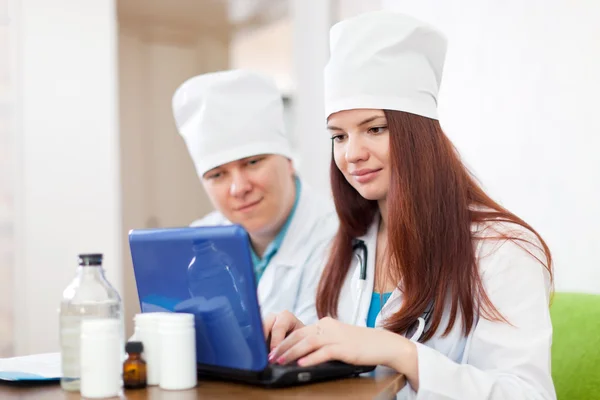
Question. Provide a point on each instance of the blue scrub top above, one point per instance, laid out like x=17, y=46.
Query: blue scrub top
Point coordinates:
x=377, y=302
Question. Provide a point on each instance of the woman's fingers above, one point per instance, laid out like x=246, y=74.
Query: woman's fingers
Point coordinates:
x=321, y=355
x=268, y=325
x=284, y=323
x=297, y=345
x=289, y=342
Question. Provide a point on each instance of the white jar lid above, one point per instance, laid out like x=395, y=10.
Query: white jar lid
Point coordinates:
x=176, y=321
x=148, y=320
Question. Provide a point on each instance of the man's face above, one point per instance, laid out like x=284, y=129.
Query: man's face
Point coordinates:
x=254, y=192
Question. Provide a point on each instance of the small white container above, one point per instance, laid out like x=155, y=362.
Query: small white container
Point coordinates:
x=146, y=331
x=100, y=358
x=177, y=351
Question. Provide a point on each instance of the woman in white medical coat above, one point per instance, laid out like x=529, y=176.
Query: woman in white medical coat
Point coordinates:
x=458, y=286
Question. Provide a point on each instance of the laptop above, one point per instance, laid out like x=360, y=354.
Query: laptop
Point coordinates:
x=208, y=272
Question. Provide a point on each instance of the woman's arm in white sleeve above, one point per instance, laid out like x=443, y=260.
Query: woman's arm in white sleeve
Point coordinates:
x=501, y=361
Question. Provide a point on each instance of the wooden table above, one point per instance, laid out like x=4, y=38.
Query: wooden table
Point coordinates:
x=380, y=384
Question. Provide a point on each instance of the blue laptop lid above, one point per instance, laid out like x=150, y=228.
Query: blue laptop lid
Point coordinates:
x=206, y=271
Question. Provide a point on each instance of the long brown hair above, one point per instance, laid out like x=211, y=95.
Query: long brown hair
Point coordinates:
x=432, y=203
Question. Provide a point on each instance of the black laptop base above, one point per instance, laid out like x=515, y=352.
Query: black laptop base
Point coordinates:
x=277, y=376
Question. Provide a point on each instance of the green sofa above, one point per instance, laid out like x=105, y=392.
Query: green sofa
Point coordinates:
x=576, y=345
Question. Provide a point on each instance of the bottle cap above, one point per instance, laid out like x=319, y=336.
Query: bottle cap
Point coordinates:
x=134, y=347
x=90, y=259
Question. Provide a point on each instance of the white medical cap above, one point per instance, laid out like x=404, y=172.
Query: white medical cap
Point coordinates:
x=384, y=60
x=229, y=115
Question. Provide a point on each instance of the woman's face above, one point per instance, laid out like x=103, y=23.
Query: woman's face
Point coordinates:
x=361, y=150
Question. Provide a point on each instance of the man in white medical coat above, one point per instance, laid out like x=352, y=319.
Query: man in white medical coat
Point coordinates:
x=233, y=125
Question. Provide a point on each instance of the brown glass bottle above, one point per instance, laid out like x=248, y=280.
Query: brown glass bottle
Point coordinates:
x=134, y=368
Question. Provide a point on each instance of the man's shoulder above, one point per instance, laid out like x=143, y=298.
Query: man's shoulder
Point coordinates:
x=317, y=215
x=318, y=199
x=214, y=218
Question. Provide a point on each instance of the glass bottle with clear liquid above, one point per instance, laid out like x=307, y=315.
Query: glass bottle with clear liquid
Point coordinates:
x=89, y=295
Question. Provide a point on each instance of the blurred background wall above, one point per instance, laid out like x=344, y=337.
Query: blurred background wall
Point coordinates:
x=88, y=148
x=7, y=236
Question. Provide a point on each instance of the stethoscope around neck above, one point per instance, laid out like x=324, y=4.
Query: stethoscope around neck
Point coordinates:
x=418, y=328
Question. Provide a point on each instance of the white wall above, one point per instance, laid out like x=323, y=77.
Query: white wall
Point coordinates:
x=311, y=20
x=267, y=49
x=7, y=120
x=68, y=196
x=349, y=8
x=519, y=99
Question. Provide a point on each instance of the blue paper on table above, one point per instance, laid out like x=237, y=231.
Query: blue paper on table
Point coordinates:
x=35, y=367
